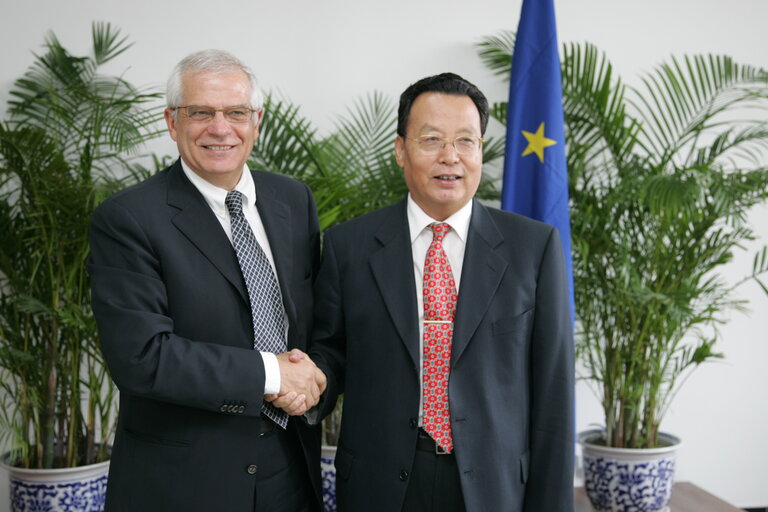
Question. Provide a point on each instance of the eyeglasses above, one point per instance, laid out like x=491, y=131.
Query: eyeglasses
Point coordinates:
x=432, y=144
x=206, y=114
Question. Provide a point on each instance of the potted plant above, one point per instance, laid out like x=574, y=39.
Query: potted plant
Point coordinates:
x=661, y=181
x=62, y=149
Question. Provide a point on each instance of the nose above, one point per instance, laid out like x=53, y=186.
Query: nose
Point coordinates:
x=218, y=125
x=448, y=153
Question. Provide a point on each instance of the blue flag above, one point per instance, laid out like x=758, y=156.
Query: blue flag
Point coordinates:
x=535, y=173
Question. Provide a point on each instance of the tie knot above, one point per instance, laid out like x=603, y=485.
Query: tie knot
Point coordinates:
x=439, y=229
x=234, y=202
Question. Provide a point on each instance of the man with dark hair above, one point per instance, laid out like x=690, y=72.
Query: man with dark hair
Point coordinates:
x=446, y=325
x=202, y=281
x=446, y=83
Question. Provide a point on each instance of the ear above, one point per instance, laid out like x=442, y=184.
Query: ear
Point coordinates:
x=170, y=121
x=400, y=151
x=257, y=122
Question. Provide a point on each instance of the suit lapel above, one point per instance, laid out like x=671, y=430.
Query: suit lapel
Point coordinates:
x=199, y=224
x=482, y=272
x=276, y=216
x=392, y=267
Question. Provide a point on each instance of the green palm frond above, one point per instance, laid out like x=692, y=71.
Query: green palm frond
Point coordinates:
x=496, y=52
x=734, y=146
x=287, y=142
x=681, y=102
x=673, y=196
x=597, y=124
x=362, y=153
x=498, y=111
x=95, y=118
x=364, y=138
x=107, y=43
x=493, y=149
x=760, y=268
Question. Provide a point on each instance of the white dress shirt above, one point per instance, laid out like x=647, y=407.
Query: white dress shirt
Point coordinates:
x=215, y=197
x=454, y=244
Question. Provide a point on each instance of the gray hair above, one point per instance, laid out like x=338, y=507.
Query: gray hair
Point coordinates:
x=212, y=61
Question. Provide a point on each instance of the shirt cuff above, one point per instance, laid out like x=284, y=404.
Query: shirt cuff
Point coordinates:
x=271, y=373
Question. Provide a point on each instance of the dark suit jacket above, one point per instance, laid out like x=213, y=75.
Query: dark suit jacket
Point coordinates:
x=511, y=382
x=176, y=331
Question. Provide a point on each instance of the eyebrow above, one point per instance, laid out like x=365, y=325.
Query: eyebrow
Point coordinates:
x=240, y=105
x=430, y=128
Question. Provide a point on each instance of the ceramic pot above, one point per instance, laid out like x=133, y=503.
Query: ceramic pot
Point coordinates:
x=625, y=479
x=80, y=489
x=328, y=473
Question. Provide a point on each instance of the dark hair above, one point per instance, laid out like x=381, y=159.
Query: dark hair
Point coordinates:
x=446, y=83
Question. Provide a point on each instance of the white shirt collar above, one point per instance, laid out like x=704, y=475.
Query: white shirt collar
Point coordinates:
x=215, y=196
x=418, y=220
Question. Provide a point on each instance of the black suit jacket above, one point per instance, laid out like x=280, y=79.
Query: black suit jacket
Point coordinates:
x=511, y=382
x=175, y=328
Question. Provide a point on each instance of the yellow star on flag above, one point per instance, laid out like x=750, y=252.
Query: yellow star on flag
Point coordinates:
x=537, y=142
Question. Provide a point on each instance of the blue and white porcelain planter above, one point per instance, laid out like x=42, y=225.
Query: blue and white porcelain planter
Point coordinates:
x=328, y=473
x=628, y=480
x=80, y=489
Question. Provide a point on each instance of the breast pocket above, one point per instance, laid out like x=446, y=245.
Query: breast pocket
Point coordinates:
x=512, y=325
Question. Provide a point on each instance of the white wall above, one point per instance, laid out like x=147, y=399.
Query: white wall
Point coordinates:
x=324, y=54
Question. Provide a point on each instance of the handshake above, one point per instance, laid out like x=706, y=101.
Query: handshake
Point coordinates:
x=301, y=383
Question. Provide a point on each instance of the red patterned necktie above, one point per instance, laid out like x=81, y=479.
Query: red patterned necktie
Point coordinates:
x=439, y=311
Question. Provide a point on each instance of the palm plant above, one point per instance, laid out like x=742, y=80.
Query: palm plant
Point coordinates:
x=661, y=180
x=63, y=148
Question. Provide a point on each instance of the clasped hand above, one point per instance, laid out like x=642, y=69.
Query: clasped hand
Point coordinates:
x=301, y=383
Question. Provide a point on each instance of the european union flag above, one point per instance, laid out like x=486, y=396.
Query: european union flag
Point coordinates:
x=535, y=172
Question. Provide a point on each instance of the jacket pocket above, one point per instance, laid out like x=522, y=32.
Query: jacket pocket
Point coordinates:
x=155, y=422
x=155, y=439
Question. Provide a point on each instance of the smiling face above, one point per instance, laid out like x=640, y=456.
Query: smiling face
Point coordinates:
x=444, y=182
x=215, y=150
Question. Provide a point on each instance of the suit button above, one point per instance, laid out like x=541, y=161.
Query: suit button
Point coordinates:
x=403, y=475
x=413, y=423
x=252, y=469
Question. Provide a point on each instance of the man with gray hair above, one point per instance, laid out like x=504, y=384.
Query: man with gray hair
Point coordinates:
x=202, y=290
